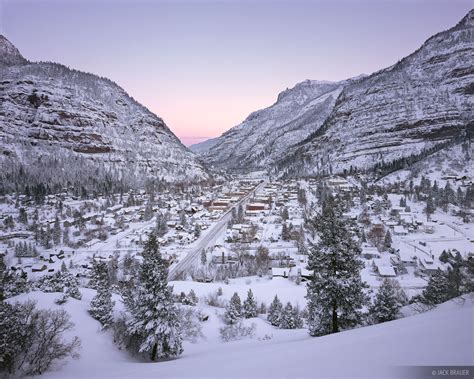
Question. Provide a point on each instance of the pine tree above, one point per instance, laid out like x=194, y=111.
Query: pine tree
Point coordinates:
x=191, y=298
x=240, y=214
x=284, y=214
x=203, y=257
x=274, y=311
x=155, y=318
x=233, y=311
x=437, y=290
x=287, y=320
x=148, y=213
x=56, y=232
x=386, y=304
x=23, y=216
x=298, y=321
x=388, y=240
x=249, y=308
x=429, y=208
x=71, y=285
x=335, y=293
x=285, y=234
x=197, y=231
x=3, y=273
x=102, y=306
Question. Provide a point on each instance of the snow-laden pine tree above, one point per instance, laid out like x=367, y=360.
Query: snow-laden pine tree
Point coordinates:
x=249, y=308
x=233, y=311
x=287, y=320
x=102, y=305
x=437, y=290
x=56, y=234
x=155, y=319
x=386, y=303
x=335, y=293
x=387, y=240
x=274, y=311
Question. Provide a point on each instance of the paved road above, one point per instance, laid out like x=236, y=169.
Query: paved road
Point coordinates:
x=192, y=255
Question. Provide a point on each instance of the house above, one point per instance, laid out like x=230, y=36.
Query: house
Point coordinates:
x=428, y=265
x=38, y=267
x=429, y=227
x=369, y=252
x=400, y=230
x=406, y=255
x=256, y=206
x=386, y=271
x=280, y=272
x=305, y=274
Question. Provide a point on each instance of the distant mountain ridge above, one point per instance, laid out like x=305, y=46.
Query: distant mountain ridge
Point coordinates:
x=68, y=124
x=378, y=122
x=399, y=114
x=265, y=135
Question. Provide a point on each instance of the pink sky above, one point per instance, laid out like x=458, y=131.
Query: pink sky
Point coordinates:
x=205, y=65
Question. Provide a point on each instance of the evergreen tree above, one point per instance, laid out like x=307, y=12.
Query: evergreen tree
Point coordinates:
x=203, y=257
x=56, y=232
x=3, y=273
x=233, y=311
x=335, y=293
x=240, y=214
x=23, y=216
x=388, y=240
x=444, y=256
x=249, y=308
x=102, y=305
x=274, y=311
x=284, y=214
x=155, y=319
x=285, y=234
x=161, y=227
x=403, y=202
x=289, y=318
x=386, y=304
x=192, y=298
x=66, y=240
x=197, y=230
x=437, y=290
x=429, y=208
x=148, y=213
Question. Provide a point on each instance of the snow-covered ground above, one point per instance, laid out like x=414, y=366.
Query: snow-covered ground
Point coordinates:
x=442, y=336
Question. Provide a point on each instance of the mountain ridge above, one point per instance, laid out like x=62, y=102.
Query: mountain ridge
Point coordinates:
x=48, y=110
x=383, y=120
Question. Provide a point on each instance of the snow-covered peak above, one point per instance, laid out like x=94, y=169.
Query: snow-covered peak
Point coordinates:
x=305, y=88
x=468, y=20
x=9, y=54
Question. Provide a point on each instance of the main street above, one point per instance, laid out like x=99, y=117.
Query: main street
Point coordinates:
x=191, y=256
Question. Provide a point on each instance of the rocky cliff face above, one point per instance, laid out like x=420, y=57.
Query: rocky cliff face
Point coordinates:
x=415, y=107
x=390, y=118
x=265, y=135
x=51, y=113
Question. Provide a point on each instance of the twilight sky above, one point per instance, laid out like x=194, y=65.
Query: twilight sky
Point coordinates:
x=204, y=65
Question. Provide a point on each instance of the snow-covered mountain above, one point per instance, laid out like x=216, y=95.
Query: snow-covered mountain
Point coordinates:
x=66, y=123
x=386, y=120
x=399, y=114
x=204, y=146
x=265, y=135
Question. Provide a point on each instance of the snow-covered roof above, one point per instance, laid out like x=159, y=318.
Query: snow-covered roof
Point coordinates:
x=386, y=271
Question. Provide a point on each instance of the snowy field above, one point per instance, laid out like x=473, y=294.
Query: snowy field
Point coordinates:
x=442, y=336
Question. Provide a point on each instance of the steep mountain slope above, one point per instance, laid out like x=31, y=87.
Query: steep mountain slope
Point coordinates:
x=204, y=146
x=57, y=123
x=399, y=114
x=266, y=134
